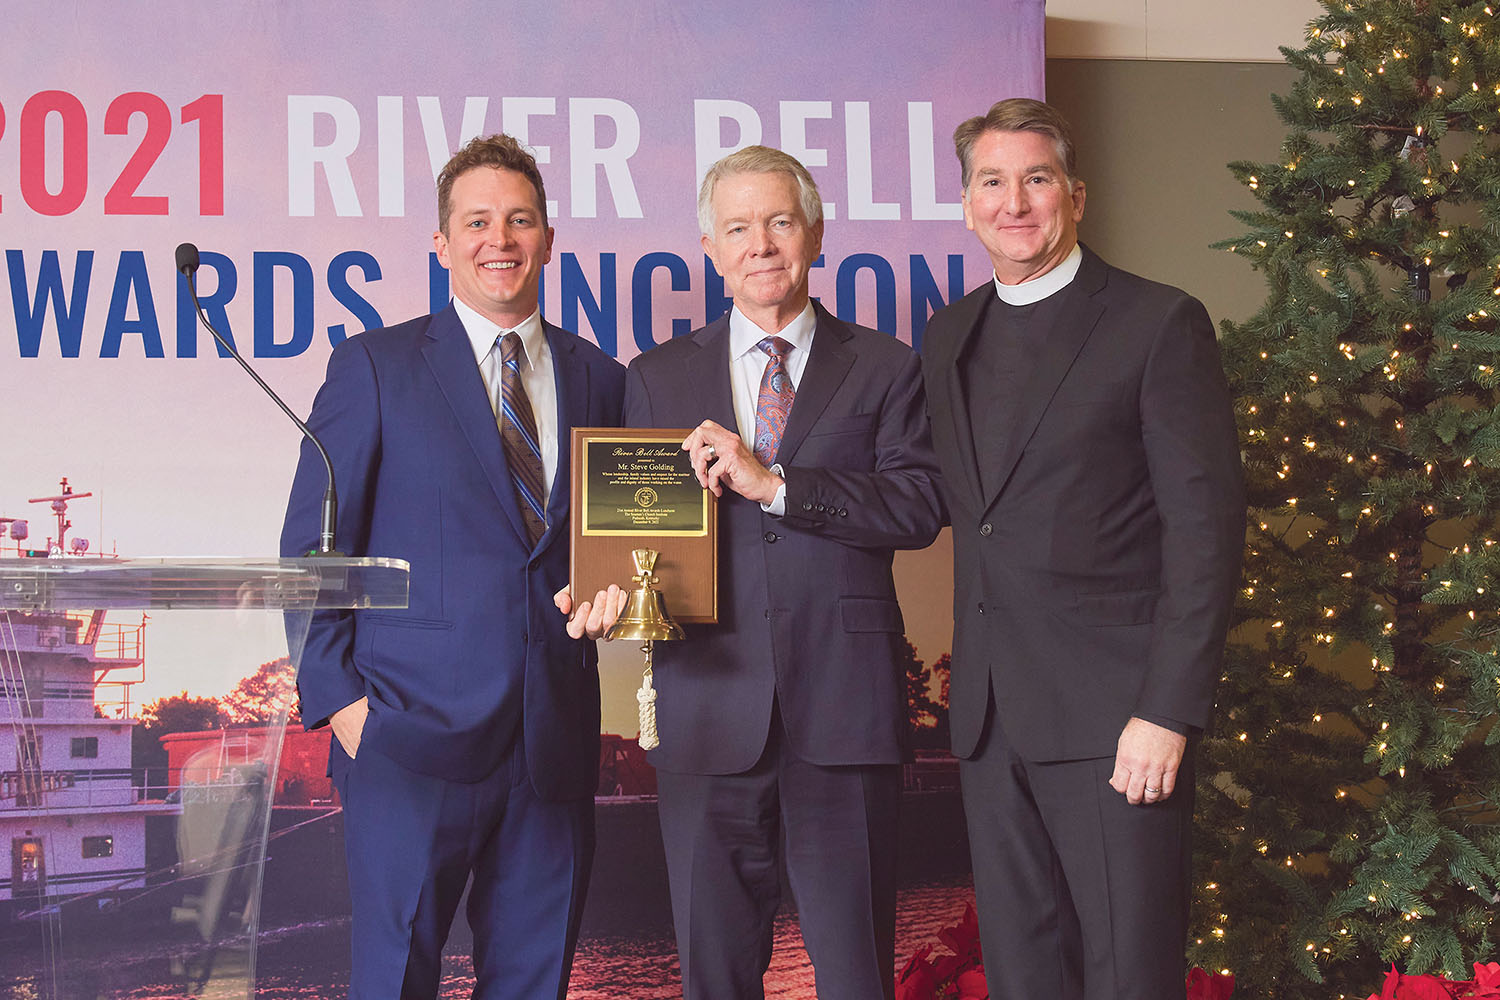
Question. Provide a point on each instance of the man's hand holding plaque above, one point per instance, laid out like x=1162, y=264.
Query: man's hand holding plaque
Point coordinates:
x=720, y=457
x=590, y=618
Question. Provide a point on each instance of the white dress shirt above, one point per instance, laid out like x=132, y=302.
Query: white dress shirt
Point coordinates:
x=747, y=365
x=536, y=376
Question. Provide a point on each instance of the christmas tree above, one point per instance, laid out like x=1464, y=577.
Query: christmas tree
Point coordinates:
x=1349, y=796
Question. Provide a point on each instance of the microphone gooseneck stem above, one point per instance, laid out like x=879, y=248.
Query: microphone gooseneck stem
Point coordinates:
x=328, y=528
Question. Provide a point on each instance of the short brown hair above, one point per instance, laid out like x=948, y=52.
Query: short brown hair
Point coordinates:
x=1017, y=114
x=758, y=160
x=499, y=151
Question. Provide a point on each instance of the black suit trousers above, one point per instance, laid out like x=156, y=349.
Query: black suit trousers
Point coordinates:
x=1081, y=895
x=724, y=834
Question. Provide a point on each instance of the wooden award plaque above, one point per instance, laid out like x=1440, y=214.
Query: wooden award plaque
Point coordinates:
x=634, y=488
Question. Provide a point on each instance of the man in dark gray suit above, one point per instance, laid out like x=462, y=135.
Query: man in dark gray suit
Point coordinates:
x=1091, y=472
x=788, y=717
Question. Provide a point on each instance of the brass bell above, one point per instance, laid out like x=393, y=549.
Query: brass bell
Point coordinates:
x=645, y=619
x=645, y=616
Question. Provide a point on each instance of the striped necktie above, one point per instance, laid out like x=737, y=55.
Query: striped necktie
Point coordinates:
x=775, y=401
x=518, y=434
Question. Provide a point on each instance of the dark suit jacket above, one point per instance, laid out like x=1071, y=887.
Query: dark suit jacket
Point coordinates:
x=1095, y=583
x=807, y=607
x=422, y=476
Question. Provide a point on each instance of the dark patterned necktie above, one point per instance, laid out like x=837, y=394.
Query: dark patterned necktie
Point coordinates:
x=775, y=401
x=523, y=451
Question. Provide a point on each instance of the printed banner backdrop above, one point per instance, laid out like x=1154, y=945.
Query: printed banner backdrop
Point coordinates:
x=297, y=146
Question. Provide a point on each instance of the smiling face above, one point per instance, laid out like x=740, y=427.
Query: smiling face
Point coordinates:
x=762, y=244
x=1021, y=204
x=495, y=244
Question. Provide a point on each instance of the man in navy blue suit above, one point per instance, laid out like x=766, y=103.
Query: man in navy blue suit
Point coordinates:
x=466, y=725
x=786, y=722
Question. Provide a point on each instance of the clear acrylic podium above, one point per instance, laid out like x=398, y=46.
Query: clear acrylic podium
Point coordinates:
x=118, y=880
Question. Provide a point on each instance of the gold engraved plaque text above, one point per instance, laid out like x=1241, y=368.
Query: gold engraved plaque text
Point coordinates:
x=634, y=488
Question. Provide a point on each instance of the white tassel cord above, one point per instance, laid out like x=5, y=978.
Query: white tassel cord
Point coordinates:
x=646, y=697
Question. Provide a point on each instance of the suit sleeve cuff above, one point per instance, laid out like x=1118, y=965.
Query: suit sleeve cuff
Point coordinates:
x=1180, y=728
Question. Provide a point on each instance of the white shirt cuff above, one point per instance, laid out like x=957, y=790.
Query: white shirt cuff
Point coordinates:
x=777, y=506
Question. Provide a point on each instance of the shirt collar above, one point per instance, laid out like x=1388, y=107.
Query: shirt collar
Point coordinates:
x=1043, y=285
x=744, y=335
x=482, y=332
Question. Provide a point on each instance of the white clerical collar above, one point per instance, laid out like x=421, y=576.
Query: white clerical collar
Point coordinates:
x=482, y=332
x=744, y=335
x=1045, y=284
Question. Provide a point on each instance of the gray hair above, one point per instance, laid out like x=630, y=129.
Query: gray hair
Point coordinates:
x=1017, y=114
x=758, y=160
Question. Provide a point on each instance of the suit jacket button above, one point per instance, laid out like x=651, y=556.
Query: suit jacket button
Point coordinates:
x=771, y=536
x=807, y=505
x=822, y=508
x=843, y=512
x=986, y=529
x=981, y=607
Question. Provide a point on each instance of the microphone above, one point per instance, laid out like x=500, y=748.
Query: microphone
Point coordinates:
x=187, y=262
x=187, y=266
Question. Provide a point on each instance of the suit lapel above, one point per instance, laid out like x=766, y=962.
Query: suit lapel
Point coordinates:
x=450, y=357
x=1069, y=331
x=969, y=315
x=708, y=373
x=828, y=362
x=572, y=378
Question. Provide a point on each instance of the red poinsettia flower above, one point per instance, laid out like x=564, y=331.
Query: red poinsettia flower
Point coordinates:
x=1424, y=988
x=1486, y=984
x=1205, y=985
x=946, y=967
x=1399, y=987
x=963, y=937
x=954, y=975
x=918, y=980
x=972, y=985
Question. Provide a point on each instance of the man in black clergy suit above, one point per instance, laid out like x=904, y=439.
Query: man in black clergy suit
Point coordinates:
x=788, y=717
x=1092, y=476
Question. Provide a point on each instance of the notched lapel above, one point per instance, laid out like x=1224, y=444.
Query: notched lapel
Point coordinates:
x=828, y=363
x=451, y=359
x=708, y=375
x=967, y=321
x=572, y=378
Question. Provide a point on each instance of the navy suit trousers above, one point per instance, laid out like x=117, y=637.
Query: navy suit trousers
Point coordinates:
x=413, y=841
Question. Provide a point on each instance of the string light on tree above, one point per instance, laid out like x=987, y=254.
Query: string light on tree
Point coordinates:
x=1370, y=414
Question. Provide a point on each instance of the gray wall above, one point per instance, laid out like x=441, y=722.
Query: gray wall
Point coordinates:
x=1153, y=141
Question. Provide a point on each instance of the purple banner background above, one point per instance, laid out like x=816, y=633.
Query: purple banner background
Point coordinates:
x=334, y=121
